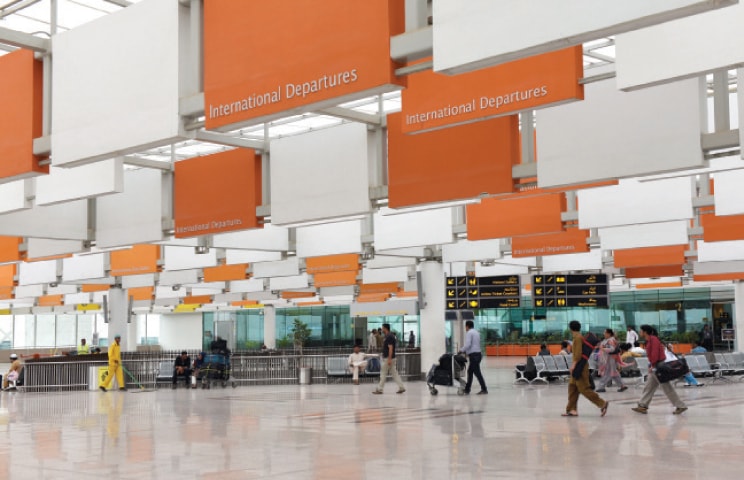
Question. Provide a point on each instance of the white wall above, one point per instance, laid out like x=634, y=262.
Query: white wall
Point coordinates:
x=181, y=331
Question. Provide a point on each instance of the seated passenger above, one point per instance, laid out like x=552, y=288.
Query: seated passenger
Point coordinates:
x=699, y=348
x=357, y=363
x=638, y=349
x=544, y=350
x=198, y=362
x=565, y=348
x=15, y=371
x=626, y=353
x=181, y=367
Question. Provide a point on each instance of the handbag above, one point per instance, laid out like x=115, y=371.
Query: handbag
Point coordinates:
x=667, y=371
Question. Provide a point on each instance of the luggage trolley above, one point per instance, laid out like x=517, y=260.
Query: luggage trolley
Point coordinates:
x=216, y=368
x=446, y=373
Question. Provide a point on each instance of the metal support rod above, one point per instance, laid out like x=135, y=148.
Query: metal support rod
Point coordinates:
x=46, y=96
x=721, y=114
x=53, y=7
x=527, y=120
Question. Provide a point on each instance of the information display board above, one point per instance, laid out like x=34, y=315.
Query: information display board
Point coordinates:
x=561, y=291
x=469, y=293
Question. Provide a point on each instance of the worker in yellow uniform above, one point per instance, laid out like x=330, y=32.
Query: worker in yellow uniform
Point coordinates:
x=114, y=367
x=83, y=348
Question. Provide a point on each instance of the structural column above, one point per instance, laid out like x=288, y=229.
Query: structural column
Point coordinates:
x=432, y=314
x=738, y=322
x=118, y=305
x=270, y=326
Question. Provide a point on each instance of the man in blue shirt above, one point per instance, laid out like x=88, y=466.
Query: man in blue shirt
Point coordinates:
x=699, y=348
x=472, y=349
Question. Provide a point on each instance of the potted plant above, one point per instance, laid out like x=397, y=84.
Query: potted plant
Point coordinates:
x=300, y=334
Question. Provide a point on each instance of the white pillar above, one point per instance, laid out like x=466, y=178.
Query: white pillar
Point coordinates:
x=738, y=321
x=432, y=314
x=118, y=305
x=269, y=326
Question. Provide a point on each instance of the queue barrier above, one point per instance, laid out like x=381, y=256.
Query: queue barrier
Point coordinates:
x=76, y=373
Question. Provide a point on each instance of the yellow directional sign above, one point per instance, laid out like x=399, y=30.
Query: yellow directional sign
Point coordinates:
x=450, y=292
x=451, y=305
x=561, y=302
x=473, y=304
x=450, y=281
x=539, y=302
x=461, y=281
x=538, y=279
x=87, y=307
x=560, y=279
x=539, y=291
x=473, y=292
x=473, y=281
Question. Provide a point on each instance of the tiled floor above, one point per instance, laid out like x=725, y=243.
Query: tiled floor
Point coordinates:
x=342, y=431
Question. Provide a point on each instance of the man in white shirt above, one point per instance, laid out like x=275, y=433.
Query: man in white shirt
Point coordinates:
x=357, y=363
x=372, y=341
x=637, y=349
x=631, y=337
x=472, y=348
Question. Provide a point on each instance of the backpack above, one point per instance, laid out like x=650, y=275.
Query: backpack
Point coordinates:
x=591, y=339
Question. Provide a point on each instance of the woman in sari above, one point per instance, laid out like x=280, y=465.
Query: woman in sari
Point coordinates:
x=609, y=360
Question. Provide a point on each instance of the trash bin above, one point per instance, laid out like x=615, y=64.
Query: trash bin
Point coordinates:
x=93, y=377
x=306, y=375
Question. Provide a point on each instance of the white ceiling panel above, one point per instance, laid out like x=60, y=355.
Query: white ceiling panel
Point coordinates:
x=32, y=273
x=284, y=283
x=285, y=268
x=321, y=174
x=720, y=251
x=183, y=258
x=270, y=238
x=647, y=235
x=233, y=257
x=729, y=194
x=466, y=250
x=429, y=227
x=329, y=239
x=573, y=261
x=64, y=184
x=84, y=267
x=587, y=141
x=633, y=202
x=478, y=33
x=385, y=275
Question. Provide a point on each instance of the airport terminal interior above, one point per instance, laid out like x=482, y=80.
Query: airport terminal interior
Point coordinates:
x=207, y=205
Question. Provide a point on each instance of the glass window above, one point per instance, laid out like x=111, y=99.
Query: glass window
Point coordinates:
x=6, y=332
x=102, y=329
x=45, y=331
x=85, y=328
x=23, y=332
x=66, y=331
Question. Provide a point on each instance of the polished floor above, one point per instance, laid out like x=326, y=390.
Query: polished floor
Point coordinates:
x=344, y=432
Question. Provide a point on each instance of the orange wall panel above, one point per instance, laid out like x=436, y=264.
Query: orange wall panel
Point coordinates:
x=6, y=293
x=141, y=293
x=138, y=260
x=217, y=193
x=225, y=273
x=332, y=263
x=451, y=164
x=654, y=271
x=643, y=257
x=90, y=288
x=722, y=228
x=291, y=295
x=642, y=286
x=433, y=100
x=9, y=249
x=197, y=299
x=50, y=300
x=21, y=117
x=390, y=287
x=264, y=59
x=7, y=275
x=335, y=279
x=570, y=241
x=512, y=216
x=372, y=297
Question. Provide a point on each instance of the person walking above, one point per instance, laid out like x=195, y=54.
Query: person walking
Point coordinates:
x=388, y=361
x=114, y=367
x=411, y=340
x=609, y=360
x=632, y=336
x=472, y=349
x=656, y=354
x=579, y=382
x=706, y=338
x=372, y=342
x=378, y=339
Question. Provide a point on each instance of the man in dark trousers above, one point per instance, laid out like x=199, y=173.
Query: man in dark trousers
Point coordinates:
x=656, y=354
x=579, y=382
x=472, y=349
x=388, y=361
x=182, y=367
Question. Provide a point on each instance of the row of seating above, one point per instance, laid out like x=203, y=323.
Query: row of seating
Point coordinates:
x=543, y=368
x=338, y=368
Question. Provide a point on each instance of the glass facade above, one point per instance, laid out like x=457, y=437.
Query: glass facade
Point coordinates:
x=64, y=331
x=678, y=315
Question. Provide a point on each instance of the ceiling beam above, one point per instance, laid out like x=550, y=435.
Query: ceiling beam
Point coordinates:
x=24, y=40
